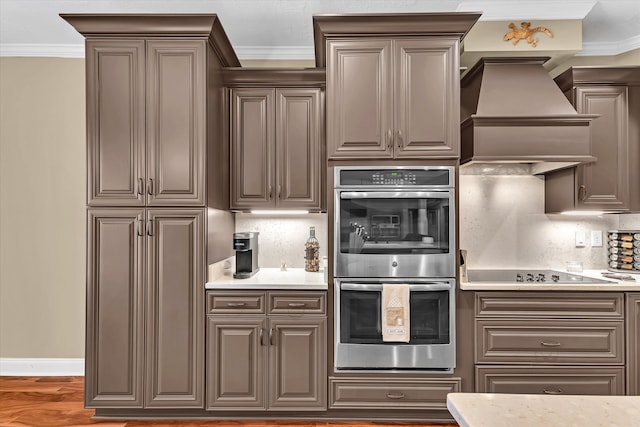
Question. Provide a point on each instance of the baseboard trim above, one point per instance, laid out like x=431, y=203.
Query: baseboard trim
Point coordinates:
x=27, y=367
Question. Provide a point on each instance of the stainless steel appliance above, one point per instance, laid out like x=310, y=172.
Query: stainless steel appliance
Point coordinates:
x=394, y=225
x=246, y=246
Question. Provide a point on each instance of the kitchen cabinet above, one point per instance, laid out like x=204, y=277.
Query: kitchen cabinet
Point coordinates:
x=266, y=350
x=633, y=344
x=276, y=145
x=145, y=273
x=393, y=98
x=554, y=343
x=609, y=183
x=146, y=122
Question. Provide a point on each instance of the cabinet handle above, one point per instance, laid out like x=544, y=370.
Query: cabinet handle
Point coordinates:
x=395, y=396
x=582, y=192
x=550, y=344
x=297, y=304
x=149, y=228
x=270, y=336
x=139, y=228
x=140, y=190
x=558, y=391
x=150, y=187
x=279, y=191
x=399, y=138
x=270, y=193
x=261, y=333
x=389, y=138
x=236, y=304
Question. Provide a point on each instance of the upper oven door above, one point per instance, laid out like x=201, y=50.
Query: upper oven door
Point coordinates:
x=394, y=233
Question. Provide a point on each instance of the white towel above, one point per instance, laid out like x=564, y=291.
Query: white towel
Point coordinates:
x=395, y=313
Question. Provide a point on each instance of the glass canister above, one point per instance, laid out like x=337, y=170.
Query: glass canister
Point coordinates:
x=312, y=252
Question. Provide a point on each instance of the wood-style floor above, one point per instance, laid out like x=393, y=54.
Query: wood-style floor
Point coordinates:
x=58, y=402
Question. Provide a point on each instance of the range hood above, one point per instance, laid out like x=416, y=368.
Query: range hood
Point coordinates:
x=513, y=112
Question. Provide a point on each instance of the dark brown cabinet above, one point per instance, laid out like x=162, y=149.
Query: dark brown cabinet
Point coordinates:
x=393, y=98
x=145, y=273
x=269, y=361
x=609, y=183
x=633, y=344
x=276, y=148
x=157, y=158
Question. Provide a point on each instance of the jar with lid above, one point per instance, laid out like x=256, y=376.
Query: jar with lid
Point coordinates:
x=312, y=252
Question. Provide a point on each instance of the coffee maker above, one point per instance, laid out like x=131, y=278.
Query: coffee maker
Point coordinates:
x=246, y=246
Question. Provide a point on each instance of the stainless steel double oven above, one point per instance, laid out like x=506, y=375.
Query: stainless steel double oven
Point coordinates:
x=394, y=224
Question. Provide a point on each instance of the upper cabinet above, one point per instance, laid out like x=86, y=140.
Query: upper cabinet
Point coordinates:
x=393, y=84
x=609, y=184
x=393, y=98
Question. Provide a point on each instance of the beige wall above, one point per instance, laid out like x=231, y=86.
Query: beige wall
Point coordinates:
x=42, y=207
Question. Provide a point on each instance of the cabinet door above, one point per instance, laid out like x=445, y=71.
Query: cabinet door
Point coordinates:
x=359, y=99
x=633, y=344
x=115, y=329
x=175, y=308
x=297, y=364
x=176, y=122
x=427, y=98
x=235, y=362
x=605, y=183
x=298, y=155
x=115, y=122
x=252, y=146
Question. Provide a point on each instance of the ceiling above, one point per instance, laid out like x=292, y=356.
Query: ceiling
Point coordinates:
x=282, y=29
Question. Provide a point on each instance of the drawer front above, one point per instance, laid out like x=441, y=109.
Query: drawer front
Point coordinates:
x=385, y=394
x=550, y=305
x=220, y=302
x=297, y=302
x=550, y=380
x=550, y=341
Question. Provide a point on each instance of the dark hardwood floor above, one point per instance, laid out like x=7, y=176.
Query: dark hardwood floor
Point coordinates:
x=57, y=402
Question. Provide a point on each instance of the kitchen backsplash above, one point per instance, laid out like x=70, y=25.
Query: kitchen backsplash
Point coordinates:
x=282, y=238
x=503, y=225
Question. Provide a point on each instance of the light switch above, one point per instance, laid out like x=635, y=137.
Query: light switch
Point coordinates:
x=580, y=239
x=596, y=238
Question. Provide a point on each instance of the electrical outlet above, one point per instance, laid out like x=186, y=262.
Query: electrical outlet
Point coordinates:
x=596, y=238
x=580, y=239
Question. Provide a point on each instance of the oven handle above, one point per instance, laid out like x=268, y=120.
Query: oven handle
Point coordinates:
x=422, y=287
x=444, y=194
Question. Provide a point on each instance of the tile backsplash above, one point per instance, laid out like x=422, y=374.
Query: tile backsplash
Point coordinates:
x=282, y=238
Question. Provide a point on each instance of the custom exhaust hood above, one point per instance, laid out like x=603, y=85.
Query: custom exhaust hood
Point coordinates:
x=513, y=112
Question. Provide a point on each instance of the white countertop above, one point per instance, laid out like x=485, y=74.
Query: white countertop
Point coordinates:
x=528, y=410
x=612, y=286
x=273, y=278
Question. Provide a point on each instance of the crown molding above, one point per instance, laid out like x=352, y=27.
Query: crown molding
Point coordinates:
x=609, y=48
x=503, y=10
x=275, y=52
x=42, y=50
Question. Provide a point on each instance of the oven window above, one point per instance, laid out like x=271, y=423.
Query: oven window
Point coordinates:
x=394, y=226
x=361, y=318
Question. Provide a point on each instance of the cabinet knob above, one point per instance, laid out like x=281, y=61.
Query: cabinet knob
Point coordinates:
x=150, y=187
x=550, y=344
x=395, y=395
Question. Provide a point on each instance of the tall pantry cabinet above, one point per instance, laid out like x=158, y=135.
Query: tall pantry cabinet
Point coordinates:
x=153, y=101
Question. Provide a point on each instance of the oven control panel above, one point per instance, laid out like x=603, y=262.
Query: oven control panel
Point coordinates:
x=392, y=177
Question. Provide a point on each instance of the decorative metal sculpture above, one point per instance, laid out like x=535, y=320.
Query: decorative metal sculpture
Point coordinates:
x=525, y=33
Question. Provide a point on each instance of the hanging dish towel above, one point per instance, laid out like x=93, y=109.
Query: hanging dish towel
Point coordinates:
x=395, y=313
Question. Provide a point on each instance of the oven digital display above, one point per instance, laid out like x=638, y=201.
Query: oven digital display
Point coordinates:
x=405, y=177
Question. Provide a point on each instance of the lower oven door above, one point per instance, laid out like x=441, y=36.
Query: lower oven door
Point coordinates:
x=358, y=326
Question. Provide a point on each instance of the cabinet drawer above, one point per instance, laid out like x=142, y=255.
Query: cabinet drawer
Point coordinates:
x=550, y=380
x=550, y=341
x=391, y=393
x=297, y=302
x=552, y=304
x=234, y=302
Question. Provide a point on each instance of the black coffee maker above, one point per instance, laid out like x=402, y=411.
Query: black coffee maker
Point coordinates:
x=246, y=246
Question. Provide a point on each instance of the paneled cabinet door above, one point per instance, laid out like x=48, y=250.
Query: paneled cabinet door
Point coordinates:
x=115, y=328
x=297, y=364
x=175, y=308
x=298, y=148
x=252, y=146
x=633, y=344
x=176, y=122
x=115, y=122
x=605, y=183
x=235, y=362
x=359, y=99
x=427, y=99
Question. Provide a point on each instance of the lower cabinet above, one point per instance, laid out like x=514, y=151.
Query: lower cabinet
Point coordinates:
x=550, y=343
x=266, y=358
x=145, y=341
x=633, y=344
